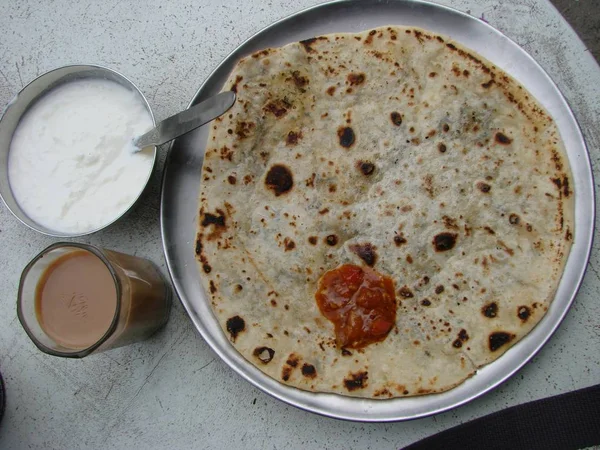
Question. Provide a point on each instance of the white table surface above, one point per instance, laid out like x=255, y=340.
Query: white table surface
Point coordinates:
x=172, y=391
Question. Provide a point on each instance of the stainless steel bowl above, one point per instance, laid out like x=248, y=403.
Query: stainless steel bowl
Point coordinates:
x=19, y=106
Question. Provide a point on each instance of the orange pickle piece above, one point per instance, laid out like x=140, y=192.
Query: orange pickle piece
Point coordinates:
x=360, y=302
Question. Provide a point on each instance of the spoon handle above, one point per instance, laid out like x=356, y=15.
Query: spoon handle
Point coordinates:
x=186, y=121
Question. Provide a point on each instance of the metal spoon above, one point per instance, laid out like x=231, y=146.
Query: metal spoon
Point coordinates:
x=186, y=121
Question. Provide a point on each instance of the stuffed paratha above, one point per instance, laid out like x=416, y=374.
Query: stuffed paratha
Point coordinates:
x=392, y=154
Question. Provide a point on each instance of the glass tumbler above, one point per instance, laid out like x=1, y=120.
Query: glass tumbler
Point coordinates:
x=77, y=299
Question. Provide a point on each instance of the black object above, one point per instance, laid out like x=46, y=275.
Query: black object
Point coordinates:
x=566, y=421
x=2, y=398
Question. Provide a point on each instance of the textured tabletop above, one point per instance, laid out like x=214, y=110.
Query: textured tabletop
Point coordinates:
x=172, y=391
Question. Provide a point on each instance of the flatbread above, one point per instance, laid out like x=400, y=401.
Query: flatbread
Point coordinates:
x=393, y=148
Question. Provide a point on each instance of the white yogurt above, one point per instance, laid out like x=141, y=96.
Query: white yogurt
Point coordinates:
x=70, y=166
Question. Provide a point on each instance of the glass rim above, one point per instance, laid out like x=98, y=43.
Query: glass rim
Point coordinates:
x=96, y=251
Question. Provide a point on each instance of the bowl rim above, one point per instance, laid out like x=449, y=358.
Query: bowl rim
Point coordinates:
x=70, y=70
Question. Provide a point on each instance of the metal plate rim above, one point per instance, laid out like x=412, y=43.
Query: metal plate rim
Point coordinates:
x=363, y=408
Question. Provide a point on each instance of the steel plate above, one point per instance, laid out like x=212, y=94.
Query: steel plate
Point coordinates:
x=181, y=184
